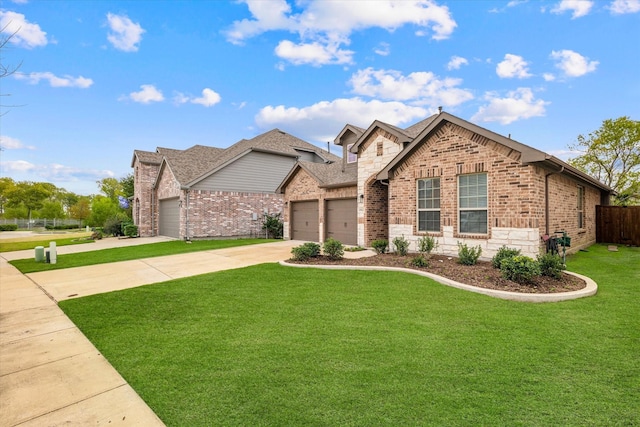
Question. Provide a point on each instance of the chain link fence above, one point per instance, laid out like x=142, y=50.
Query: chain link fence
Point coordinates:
x=40, y=222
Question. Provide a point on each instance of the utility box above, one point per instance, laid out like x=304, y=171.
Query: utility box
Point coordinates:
x=39, y=253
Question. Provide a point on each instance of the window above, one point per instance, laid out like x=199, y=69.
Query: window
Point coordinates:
x=580, y=207
x=472, y=203
x=429, y=204
x=379, y=148
x=351, y=157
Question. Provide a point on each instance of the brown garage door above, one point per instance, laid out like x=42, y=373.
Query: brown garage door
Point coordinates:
x=304, y=221
x=342, y=220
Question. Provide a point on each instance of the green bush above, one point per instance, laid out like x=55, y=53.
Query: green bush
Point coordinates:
x=402, y=245
x=131, y=230
x=273, y=225
x=550, y=265
x=97, y=235
x=426, y=244
x=113, y=227
x=467, y=255
x=519, y=268
x=333, y=248
x=8, y=227
x=419, y=261
x=305, y=251
x=503, y=253
x=380, y=246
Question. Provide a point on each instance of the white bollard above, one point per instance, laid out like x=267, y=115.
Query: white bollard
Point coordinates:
x=53, y=256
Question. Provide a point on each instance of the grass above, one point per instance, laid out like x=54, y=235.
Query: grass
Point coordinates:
x=270, y=345
x=20, y=244
x=130, y=252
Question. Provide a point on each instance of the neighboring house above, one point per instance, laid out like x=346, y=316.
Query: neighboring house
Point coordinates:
x=205, y=192
x=450, y=179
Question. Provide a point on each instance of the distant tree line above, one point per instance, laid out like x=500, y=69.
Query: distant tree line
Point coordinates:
x=33, y=200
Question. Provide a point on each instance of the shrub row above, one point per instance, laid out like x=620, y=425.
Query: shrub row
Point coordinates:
x=332, y=248
x=522, y=269
x=8, y=227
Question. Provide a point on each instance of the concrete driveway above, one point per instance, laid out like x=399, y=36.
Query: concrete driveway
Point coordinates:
x=50, y=374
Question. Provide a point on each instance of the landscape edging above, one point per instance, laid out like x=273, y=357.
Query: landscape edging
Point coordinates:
x=590, y=289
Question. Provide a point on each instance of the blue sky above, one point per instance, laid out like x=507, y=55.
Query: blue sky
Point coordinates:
x=98, y=79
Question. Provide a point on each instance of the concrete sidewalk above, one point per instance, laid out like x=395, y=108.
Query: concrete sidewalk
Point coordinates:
x=50, y=374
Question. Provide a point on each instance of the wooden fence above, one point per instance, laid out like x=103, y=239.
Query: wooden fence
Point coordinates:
x=617, y=224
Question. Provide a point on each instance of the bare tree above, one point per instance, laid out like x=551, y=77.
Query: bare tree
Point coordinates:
x=5, y=69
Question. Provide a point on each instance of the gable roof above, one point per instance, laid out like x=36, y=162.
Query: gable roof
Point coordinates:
x=358, y=131
x=327, y=175
x=403, y=135
x=528, y=155
x=194, y=164
x=147, y=157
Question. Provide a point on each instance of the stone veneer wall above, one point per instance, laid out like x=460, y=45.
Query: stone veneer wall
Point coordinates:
x=229, y=214
x=303, y=187
x=143, y=200
x=516, y=194
x=373, y=155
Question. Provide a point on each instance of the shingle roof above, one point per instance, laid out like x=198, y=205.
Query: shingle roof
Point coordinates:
x=147, y=157
x=332, y=174
x=199, y=161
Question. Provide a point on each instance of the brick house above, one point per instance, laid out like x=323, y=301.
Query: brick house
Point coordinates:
x=207, y=192
x=458, y=182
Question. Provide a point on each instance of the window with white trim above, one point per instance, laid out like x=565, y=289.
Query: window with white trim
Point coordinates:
x=429, y=205
x=351, y=157
x=472, y=203
x=580, y=207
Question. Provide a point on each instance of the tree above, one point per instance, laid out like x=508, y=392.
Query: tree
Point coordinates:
x=6, y=70
x=81, y=210
x=126, y=184
x=102, y=208
x=110, y=187
x=6, y=185
x=31, y=195
x=611, y=154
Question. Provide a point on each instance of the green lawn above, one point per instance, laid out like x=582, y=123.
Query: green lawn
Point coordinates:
x=127, y=253
x=277, y=346
x=20, y=245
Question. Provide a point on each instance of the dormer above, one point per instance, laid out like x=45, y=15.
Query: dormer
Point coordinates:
x=346, y=139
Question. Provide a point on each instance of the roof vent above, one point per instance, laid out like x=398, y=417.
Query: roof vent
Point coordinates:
x=440, y=109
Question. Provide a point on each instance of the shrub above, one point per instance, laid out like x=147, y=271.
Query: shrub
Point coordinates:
x=467, y=255
x=131, y=230
x=426, y=244
x=333, y=248
x=519, y=268
x=402, y=245
x=550, y=265
x=419, y=261
x=503, y=253
x=8, y=227
x=96, y=235
x=273, y=225
x=305, y=251
x=380, y=246
x=113, y=227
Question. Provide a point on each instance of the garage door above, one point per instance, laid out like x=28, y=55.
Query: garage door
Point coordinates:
x=342, y=220
x=304, y=221
x=169, y=218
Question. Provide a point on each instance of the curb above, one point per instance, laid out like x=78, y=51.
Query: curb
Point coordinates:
x=589, y=290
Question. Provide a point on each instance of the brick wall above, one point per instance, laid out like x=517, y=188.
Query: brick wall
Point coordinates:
x=514, y=192
x=143, y=208
x=373, y=155
x=303, y=187
x=229, y=214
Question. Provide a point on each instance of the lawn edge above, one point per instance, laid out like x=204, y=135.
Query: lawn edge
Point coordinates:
x=589, y=290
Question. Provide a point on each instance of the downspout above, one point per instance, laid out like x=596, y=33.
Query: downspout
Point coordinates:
x=186, y=216
x=153, y=211
x=546, y=199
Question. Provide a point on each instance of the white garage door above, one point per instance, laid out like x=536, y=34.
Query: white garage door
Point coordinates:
x=169, y=218
x=304, y=221
x=342, y=220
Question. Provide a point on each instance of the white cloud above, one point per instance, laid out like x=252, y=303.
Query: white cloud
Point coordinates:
x=619, y=7
x=519, y=104
x=322, y=35
x=27, y=35
x=513, y=66
x=17, y=166
x=456, y=62
x=548, y=77
x=209, y=98
x=146, y=95
x=578, y=7
x=54, y=172
x=572, y=63
x=314, y=53
x=383, y=49
x=55, y=81
x=125, y=34
x=422, y=88
x=322, y=121
x=9, y=143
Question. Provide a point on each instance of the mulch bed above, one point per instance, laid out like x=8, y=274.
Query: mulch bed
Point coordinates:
x=481, y=275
